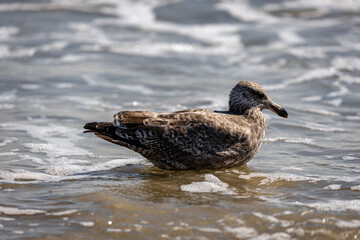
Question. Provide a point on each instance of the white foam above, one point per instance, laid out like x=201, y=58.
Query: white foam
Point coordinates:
x=8, y=7
x=9, y=190
x=312, y=52
x=320, y=112
x=17, y=211
x=63, y=169
x=87, y=223
x=342, y=90
x=305, y=77
x=221, y=37
x=6, y=106
x=91, y=6
x=314, y=74
x=7, y=219
x=306, y=141
x=343, y=178
x=56, y=148
x=269, y=178
x=290, y=37
x=34, y=224
x=324, y=6
x=346, y=63
x=208, y=229
x=71, y=58
x=292, y=168
x=335, y=102
x=355, y=188
x=23, y=52
x=53, y=46
x=350, y=157
x=32, y=158
x=349, y=79
x=62, y=213
x=8, y=96
x=58, y=139
x=88, y=33
x=91, y=103
x=333, y=187
x=6, y=32
x=136, y=88
x=298, y=231
x=64, y=85
x=272, y=219
x=353, y=118
x=7, y=141
x=28, y=177
x=19, y=175
x=337, y=205
x=4, y=51
x=142, y=15
x=211, y=184
x=136, y=12
x=242, y=232
x=31, y=51
x=114, y=230
x=348, y=224
x=323, y=128
x=243, y=11
x=311, y=99
x=95, y=81
x=274, y=236
x=268, y=218
x=148, y=48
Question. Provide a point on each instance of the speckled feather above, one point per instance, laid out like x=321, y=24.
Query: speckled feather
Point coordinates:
x=194, y=138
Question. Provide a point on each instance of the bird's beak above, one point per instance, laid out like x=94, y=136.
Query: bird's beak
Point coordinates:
x=277, y=109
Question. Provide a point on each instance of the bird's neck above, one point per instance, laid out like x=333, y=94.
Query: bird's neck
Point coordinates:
x=255, y=114
x=258, y=120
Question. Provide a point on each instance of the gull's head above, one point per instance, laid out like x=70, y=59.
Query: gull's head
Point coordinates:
x=246, y=95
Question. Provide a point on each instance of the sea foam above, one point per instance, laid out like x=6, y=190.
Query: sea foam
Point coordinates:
x=17, y=211
x=337, y=205
x=59, y=140
x=211, y=184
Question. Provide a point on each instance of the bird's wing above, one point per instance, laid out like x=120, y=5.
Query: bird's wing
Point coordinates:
x=125, y=119
x=194, y=132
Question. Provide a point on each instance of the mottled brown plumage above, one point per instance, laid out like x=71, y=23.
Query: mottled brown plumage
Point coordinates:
x=195, y=138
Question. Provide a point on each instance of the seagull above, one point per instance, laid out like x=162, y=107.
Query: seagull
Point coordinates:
x=195, y=139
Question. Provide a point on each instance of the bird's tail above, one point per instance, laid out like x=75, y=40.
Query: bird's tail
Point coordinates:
x=104, y=130
x=110, y=133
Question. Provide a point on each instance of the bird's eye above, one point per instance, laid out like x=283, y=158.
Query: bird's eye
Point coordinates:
x=260, y=95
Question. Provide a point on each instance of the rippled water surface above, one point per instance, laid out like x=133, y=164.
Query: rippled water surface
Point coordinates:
x=64, y=63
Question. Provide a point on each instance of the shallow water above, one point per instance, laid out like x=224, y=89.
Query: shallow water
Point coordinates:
x=64, y=63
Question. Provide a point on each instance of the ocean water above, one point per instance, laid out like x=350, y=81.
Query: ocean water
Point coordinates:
x=64, y=63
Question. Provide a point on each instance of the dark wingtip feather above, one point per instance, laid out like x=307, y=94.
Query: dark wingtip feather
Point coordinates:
x=90, y=125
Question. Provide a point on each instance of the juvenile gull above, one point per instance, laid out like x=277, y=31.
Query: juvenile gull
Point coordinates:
x=195, y=138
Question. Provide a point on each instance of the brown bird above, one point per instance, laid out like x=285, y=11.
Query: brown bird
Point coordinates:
x=195, y=138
